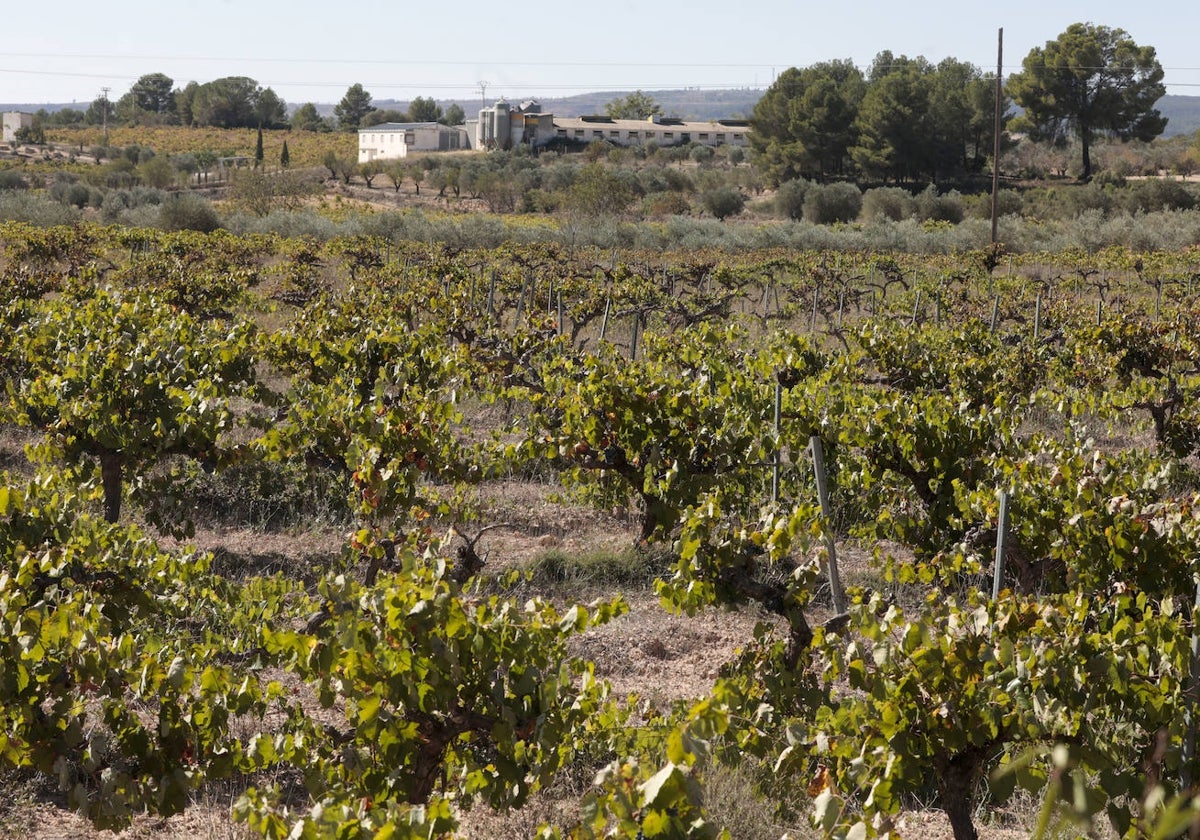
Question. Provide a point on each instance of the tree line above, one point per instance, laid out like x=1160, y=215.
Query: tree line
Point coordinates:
x=238, y=102
x=907, y=120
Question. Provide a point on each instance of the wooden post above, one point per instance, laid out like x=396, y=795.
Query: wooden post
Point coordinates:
x=633, y=339
x=604, y=321
x=916, y=308
x=835, y=583
x=560, y=313
x=813, y=326
x=1099, y=311
x=1037, y=317
x=1001, y=544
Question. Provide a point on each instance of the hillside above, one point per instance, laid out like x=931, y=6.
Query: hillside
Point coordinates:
x=689, y=103
x=1182, y=112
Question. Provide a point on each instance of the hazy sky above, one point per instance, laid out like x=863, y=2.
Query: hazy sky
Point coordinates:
x=67, y=50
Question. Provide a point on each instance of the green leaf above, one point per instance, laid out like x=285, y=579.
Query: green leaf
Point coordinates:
x=664, y=787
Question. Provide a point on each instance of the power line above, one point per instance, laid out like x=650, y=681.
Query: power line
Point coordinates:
x=388, y=62
x=472, y=87
x=760, y=65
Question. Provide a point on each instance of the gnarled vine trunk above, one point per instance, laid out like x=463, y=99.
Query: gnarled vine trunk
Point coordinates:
x=112, y=470
x=957, y=777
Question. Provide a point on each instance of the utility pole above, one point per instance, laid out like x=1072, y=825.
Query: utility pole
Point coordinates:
x=104, y=95
x=996, y=134
x=482, y=93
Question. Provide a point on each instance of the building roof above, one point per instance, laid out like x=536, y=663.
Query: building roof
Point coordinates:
x=408, y=126
x=648, y=125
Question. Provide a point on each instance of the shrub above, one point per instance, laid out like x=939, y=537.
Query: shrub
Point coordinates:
x=560, y=175
x=24, y=206
x=1009, y=203
x=144, y=215
x=932, y=207
x=539, y=201
x=652, y=180
x=723, y=202
x=1067, y=202
x=666, y=204
x=188, y=212
x=597, y=150
x=136, y=154
x=156, y=172
x=115, y=202
x=119, y=172
x=678, y=180
x=892, y=204
x=789, y=198
x=825, y=204
x=77, y=195
x=1154, y=194
x=285, y=223
x=702, y=155
x=10, y=180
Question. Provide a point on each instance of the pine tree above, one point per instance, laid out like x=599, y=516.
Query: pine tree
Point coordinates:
x=284, y=158
x=258, y=150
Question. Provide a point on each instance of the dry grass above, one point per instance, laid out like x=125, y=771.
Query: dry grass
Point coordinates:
x=28, y=812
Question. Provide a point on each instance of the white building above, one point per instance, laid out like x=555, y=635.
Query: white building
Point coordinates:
x=503, y=126
x=662, y=131
x=388, y=141
x=14, y=121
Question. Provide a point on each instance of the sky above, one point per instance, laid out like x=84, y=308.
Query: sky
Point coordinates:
x=479, y=50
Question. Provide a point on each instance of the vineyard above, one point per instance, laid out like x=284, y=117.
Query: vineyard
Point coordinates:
x=306, y=148
x=952, y=501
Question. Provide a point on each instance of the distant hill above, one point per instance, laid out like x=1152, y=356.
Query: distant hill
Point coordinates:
x=690, y=103
x=1182, y=112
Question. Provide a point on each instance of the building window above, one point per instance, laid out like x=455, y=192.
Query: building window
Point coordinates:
x=703, y=135
x=579, y=132
x=410, y=139
x=668, y=135
x=720, y=138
